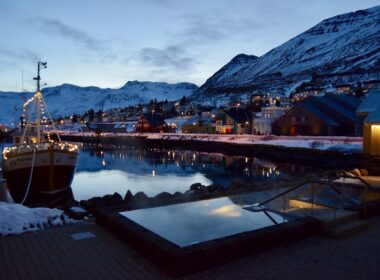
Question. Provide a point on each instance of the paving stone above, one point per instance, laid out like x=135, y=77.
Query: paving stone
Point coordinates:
x=53, y=254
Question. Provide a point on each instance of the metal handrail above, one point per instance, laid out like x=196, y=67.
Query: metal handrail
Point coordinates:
x=344, y=175
x=285, y=192
x=298, y=186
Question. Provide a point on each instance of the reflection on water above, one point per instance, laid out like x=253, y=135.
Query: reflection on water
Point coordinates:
x=154, y=171
x=88, y=184
x=195, y=222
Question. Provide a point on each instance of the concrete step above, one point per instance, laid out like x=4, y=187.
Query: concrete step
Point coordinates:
x=325, y=215
x=341, y=217
x=349, y=228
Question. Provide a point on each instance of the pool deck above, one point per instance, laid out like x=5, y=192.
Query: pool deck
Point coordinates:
x=54, y=254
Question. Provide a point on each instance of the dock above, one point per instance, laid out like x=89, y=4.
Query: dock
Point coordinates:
x=87, y=251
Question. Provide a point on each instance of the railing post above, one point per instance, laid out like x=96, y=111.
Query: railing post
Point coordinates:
x=334, y=216
x=283, y=208
x=312, y=199
x=365, y=202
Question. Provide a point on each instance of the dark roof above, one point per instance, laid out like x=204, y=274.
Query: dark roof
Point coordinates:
x=371, y=103
x=205, y=108
x=154, y=119
x=241, y=114
x=196, y=120
x=334, y=109
x=321, y=115
x=346, y=100
x=341, y=107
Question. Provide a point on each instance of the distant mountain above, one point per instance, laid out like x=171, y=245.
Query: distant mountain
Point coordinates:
x=69, y=99
x=341, y=49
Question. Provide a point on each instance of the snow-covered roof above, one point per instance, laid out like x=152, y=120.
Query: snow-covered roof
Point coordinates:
x=371, y=103
x=373, y=117
x=179, y=121
x=371, y=107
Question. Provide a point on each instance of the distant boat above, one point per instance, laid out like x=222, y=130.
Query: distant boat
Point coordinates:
x=36, y=166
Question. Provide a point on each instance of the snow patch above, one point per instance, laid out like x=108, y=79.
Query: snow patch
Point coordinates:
x=17, y=219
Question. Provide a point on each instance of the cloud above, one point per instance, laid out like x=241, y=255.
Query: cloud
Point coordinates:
x=69, y=32
x=173, y=57
x=14, y=55
x=103, y=51
x=199, y=30
x=203, y=29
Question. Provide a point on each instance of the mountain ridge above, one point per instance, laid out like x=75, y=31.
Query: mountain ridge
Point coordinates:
x=68, y=99
x=346, y=43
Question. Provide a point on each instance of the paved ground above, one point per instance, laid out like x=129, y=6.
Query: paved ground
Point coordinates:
x=53, y=254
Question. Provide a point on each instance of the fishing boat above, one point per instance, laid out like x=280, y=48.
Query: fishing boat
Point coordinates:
x=38, y=166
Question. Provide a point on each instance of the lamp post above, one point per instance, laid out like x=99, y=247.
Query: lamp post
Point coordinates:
x=236, y=119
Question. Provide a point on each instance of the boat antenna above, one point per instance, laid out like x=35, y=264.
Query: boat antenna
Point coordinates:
x=38, y=95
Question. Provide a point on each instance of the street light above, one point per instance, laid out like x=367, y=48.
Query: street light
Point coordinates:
x=236, y=120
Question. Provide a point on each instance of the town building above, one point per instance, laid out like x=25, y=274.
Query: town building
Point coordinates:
x=370, y=109
x=151, y=122
x=329, y=115
x=262, y=122
x=114, y=127
x=199, y=125
x=233, y=120
x=372, y=84
x=344, y=89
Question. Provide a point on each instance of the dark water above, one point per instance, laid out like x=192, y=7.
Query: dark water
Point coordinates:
x=154, y=171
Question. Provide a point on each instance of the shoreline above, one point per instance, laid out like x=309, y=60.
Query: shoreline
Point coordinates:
x=325, y=159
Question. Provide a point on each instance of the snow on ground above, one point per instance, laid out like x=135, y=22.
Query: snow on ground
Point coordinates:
x=337, y=143
x=328, y=143
x=17, y=219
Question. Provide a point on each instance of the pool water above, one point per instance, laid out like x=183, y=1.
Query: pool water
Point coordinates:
x=195, y=222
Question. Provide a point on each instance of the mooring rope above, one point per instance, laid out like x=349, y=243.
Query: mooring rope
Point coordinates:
x=30, y=177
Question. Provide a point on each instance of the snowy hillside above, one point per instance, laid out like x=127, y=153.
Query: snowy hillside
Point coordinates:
x=69, y=99
x=344, y=48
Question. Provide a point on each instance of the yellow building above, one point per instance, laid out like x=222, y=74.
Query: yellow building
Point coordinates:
x=370, y=108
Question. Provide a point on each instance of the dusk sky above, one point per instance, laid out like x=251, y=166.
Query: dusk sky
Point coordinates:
x=107, y=43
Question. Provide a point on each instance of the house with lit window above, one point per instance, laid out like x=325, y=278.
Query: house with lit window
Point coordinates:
x=328, y=115
x=151, y=122
x=199, y=125
x=344, y=89
x=370, y=109
x=262, y=122
x=233, y=120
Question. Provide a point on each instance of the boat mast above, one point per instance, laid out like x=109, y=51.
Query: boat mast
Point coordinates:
x=38, y=99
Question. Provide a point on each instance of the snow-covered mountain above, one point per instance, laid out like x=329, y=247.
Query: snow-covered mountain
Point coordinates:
x=69, y=99
x=341, y=49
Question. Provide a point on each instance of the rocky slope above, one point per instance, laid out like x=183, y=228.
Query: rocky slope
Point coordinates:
x=341, y=49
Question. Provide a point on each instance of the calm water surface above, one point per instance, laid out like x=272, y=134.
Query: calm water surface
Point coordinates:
x=194, y=222
x=154, y=171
